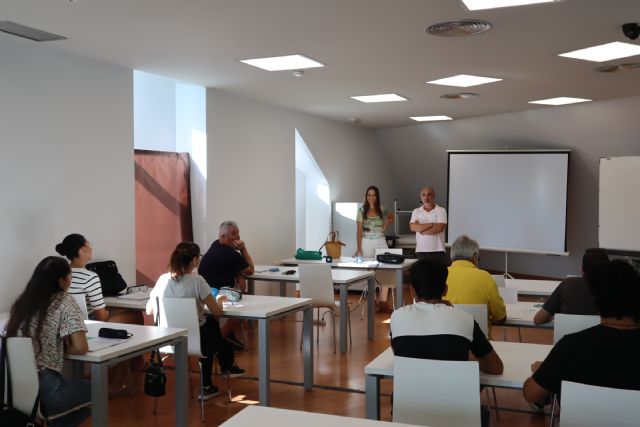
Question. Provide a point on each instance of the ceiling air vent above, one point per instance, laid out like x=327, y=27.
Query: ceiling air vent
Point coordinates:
x=461, y=95
x=632, y=66
x=461, y=28
x=28, y=32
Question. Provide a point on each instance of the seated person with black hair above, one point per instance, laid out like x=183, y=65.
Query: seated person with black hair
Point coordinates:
x=573, y=296
x=431, y=328
x=605, y=355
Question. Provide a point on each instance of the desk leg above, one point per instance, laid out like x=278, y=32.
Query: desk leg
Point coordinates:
x=251, y=286
x=182, y=380
x=99, y=395
x=399, y=297
x=371, y=313
x=264, y=377
x=307, y=328
x=372, y=396
x=344, y=312
x=283, y=289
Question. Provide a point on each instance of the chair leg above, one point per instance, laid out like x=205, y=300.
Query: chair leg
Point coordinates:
x=333, y=324
x=201, y=392
x=495, y=402
x=244, y=335
x=229, y=394
x=554, y=401
x=349, y=325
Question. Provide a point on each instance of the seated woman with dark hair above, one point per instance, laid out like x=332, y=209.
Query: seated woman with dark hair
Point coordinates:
x=605, y=355
x=79, y=252
x=46, y=313
x=182, y=282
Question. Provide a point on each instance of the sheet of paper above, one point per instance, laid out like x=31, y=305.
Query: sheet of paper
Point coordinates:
x=98, y=343
x=515, y=311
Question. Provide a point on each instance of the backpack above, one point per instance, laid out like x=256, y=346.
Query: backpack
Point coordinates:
x=112, y=282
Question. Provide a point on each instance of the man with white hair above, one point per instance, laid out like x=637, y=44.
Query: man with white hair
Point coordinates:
x=470, y=285
x=225, y=264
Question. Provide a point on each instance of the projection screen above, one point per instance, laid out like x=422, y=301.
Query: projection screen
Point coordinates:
x=513, y=201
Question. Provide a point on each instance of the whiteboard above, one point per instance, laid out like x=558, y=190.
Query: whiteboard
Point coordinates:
x=619, y=203
x=514, y=201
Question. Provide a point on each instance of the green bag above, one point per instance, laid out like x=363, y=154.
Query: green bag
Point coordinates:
x=308, y=255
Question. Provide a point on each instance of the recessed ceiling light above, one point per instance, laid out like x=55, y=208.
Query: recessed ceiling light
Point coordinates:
x=280, y=63
x=494, y=4
x=562, y=100
x=430, y=118
x=604, y=52
x=385, y=97
x=464, y=80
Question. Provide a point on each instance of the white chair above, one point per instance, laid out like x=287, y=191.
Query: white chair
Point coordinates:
x=479, y=313
x=564, y=324
x=316, y=283
x=436, y=393
x=593, y=406
x=183, y=313
x=81, y=300
x=385, y=279
x=24, y=374
x=499, y=278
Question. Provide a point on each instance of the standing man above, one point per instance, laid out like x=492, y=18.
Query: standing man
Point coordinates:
x=225, y=264
x=429, y=222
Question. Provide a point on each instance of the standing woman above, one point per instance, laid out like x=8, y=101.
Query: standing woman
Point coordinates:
x=51, y=318
x=373, y=219
x=182, y=282
x=78, y=251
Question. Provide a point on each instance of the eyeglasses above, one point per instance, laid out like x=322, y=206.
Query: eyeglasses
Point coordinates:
x=87, y=244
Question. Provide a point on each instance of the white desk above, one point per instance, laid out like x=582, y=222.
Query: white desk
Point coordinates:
x=342, y=278
x=253, y=416
x=263, y=309
x=143, y=340
x=367, y=264
x=521, y=315
x=542, y=288
x=516, y=357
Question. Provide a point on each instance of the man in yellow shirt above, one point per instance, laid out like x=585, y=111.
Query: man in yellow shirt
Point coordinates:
x=470, y=285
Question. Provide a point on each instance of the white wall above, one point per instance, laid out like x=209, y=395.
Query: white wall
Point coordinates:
x=67, y=159
x=251, y=168
x=155, y=112
x=417, y=157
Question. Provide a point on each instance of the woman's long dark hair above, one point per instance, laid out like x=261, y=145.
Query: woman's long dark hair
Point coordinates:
x=181, y=257
x=36, y=297
x=365, y=206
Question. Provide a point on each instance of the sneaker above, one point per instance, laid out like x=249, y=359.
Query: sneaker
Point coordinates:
x=208, y=392
x=233, y=372
x=537, y=407
x=236, y=344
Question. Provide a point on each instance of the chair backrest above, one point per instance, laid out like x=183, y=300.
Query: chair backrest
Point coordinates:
x=509, y=295
x=499, y=278
x=592, y=406
x=564, y=324
x=24, y=373
x=437, y=393
x=397, y=251
x=181, y=313
x=316, y=283
x=479, y=313
x=81, y=300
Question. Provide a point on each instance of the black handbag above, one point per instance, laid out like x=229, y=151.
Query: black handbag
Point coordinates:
x=10, y=416
x=388, y=258
x=155, y=380
x=111, y=281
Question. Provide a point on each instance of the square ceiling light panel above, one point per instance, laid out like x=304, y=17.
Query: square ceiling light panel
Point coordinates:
x=282, y=63
x=384, y=97
x=464, y=80
x=430, y=118
x=562, y=100
x=494, y=4
x=604, y=52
